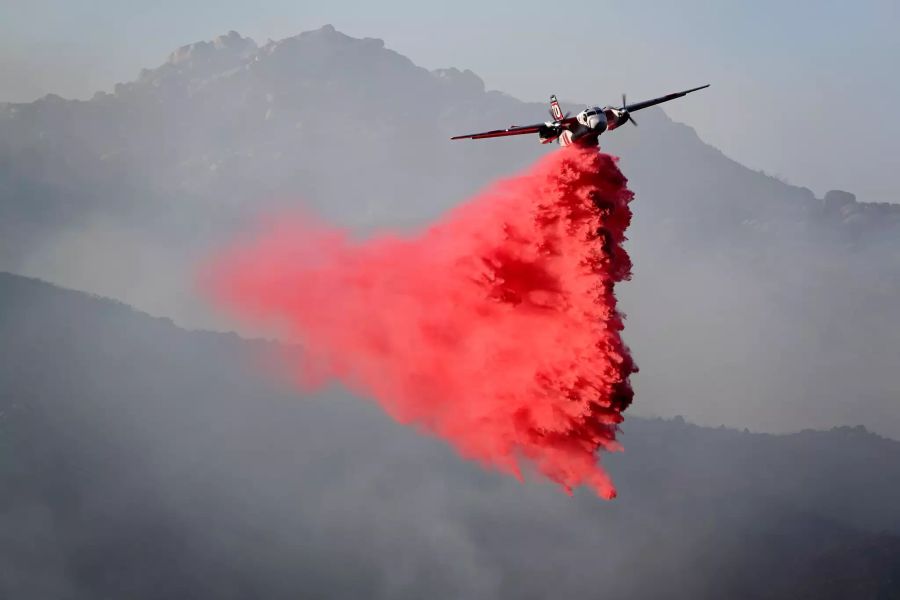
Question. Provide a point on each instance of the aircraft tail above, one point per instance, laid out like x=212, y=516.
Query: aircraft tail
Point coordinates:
x=555, y=110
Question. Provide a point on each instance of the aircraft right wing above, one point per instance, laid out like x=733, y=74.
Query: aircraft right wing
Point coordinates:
x=661, y=99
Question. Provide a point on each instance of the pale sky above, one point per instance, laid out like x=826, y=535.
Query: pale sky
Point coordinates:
x=806, y=90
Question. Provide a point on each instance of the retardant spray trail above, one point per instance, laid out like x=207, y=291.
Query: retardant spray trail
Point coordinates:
x=495, y=329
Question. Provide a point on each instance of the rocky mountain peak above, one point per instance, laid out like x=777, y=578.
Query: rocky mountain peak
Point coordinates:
x=229, y=46
x=464, y=80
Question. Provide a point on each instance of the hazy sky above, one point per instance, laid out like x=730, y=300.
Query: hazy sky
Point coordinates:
x=806, y=90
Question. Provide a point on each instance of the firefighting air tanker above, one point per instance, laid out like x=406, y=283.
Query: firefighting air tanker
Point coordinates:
x=582, y=129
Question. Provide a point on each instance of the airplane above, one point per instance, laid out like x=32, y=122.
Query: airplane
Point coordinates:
x=583, y=129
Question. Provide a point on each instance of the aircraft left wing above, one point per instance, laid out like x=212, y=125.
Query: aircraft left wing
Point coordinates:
x=514, y=130
x=661, y=99
x=561, y=124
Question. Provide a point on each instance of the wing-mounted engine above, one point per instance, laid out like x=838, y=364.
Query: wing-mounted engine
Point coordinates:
x=614, y=117
x=549, y=132
x=552, y=131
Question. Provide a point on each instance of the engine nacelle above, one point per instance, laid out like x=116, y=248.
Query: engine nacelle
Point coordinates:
x=549, y=133
x=614, y=117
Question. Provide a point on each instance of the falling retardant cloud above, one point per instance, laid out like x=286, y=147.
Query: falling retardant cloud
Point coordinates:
x=495, y=329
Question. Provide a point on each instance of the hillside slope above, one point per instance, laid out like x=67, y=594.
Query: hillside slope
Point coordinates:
x=138, y=459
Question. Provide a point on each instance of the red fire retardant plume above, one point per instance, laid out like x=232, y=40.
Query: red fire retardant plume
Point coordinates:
x=495, y=328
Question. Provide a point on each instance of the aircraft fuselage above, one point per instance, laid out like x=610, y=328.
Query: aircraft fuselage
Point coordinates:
x=591, y=123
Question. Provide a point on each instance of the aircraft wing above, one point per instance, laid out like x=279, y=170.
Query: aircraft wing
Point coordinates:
x=647, y=103
x=563, y=123
x=514, y=130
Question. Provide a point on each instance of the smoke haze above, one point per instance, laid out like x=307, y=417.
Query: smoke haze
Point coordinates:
x=142, y=460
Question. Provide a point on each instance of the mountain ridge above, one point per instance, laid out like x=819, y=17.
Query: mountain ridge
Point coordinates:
x=191, y=66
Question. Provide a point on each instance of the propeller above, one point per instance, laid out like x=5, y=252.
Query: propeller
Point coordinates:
x=628, y=116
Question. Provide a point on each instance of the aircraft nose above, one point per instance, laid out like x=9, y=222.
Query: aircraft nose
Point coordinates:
x=593, y=121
